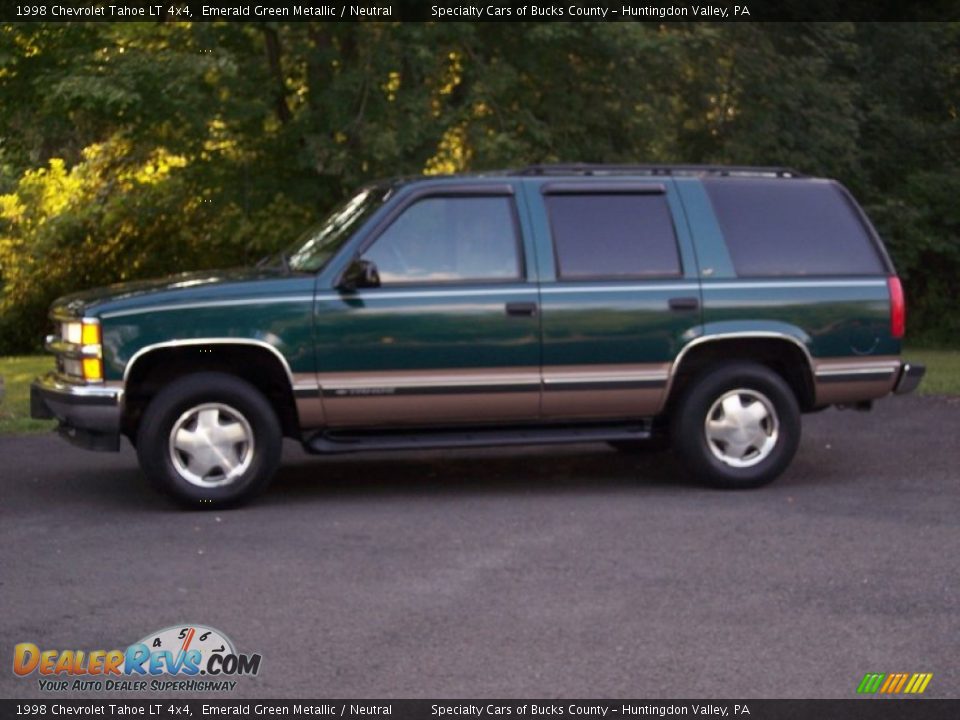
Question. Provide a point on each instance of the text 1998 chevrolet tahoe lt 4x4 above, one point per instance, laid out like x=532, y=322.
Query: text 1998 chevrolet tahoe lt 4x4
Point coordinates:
x=710, y=305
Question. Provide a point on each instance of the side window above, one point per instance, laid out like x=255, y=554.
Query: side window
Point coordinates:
x=783, y=228
x=610, y=236
x=449, y=239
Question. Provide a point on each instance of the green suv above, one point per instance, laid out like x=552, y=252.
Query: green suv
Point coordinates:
x=704, y=306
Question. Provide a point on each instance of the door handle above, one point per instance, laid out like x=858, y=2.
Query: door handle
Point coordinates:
x=527, y=309
x=684, y=303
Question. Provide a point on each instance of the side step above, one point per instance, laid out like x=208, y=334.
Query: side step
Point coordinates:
x=344, y=441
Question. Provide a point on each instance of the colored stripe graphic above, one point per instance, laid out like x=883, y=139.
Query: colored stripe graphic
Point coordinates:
x=894, y=683
x=919, y=682
x=871, y=682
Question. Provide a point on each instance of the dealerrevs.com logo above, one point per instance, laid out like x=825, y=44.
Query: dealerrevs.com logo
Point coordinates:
x=178, y=658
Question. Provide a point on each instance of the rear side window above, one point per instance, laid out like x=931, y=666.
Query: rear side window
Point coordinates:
x=791, y=228
x=611, y=236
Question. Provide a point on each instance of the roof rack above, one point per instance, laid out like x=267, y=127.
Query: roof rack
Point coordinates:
x=601, y=169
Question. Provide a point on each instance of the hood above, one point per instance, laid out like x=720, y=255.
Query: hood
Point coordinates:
x=173, y=287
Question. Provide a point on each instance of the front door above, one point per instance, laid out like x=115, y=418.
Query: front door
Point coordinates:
x=452, y=335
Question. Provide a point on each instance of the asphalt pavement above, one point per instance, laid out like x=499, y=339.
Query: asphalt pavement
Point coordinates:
x=539, y=572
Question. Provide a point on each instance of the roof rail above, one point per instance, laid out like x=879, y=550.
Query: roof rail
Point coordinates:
x=602, y=169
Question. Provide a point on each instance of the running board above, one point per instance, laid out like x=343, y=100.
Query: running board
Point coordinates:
x=343, y=441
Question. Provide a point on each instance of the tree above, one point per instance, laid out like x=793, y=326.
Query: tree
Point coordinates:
x=133, y=149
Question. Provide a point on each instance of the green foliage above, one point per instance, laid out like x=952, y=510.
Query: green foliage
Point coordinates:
x=130, y=150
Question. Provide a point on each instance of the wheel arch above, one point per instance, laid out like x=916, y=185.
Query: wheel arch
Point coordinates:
x=257, y=362
x=783, y=353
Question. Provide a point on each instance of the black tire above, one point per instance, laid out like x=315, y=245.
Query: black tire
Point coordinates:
x=235, y=404
x=703, y=457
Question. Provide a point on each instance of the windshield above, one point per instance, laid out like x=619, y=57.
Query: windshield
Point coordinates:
x=314, y=248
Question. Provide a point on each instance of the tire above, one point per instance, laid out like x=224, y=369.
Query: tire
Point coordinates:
x=174, y=441
x=737, y=426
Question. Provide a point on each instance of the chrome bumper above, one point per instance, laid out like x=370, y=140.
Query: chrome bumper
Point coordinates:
x=89, y=415
x=910, y=376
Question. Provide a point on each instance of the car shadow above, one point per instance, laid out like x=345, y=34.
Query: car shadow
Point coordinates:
x=546, y=471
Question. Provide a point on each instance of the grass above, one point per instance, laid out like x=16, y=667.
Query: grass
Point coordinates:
x=17, y=373
x=943, y=370
x=943, y=378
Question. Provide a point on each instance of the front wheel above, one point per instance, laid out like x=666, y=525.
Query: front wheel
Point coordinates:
x=209, y=440
x=737, y=426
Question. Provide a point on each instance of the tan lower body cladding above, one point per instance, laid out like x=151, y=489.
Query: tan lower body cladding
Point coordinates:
x=504, y=395
x=603, y=392
x=850, y=380
x=484, y=395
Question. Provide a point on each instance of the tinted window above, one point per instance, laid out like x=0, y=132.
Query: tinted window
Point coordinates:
x=791, y=227
x=449, y=239
x=612, y=236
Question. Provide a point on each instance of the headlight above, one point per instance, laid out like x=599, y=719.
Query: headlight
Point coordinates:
x=72, y=332
x=72, y=367
x=84, y=359
x=81, y=333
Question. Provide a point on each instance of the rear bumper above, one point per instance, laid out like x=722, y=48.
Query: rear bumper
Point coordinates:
x=910, y=376
x=89, y=415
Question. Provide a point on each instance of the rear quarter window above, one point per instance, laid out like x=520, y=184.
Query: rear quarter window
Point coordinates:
x=791, y=228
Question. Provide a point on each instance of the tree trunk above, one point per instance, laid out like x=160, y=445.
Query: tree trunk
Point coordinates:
x=271, y=42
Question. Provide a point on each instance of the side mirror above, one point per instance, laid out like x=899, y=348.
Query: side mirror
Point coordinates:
x=360, y=274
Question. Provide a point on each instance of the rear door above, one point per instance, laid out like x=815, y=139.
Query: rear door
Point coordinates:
x=620, y=294
x=452, y=335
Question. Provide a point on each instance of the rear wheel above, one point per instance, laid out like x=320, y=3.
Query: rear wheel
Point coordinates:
x=737, y=426
x=209, y=440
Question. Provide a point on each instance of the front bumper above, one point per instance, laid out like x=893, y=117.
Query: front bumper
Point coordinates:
x=89, y=415
x=910, y=376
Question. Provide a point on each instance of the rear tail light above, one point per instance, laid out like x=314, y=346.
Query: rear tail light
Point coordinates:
x=898, y=307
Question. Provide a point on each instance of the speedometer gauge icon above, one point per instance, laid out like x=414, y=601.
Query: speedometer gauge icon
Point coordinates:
x=184, y=638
